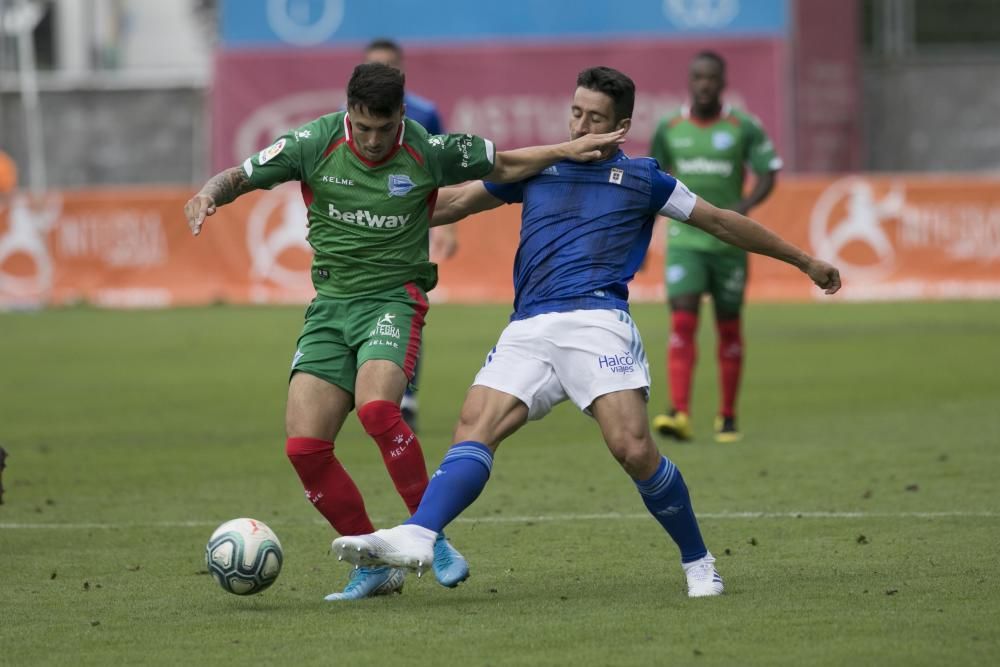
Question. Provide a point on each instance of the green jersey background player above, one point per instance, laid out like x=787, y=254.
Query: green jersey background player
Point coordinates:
x=708, y=146
x=369, y=179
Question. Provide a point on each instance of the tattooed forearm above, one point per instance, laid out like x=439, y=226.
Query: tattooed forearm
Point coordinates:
x=227, y=185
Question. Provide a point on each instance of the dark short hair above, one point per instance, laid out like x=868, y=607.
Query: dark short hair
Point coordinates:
x=384, y=43
x=612, y=83
x=714, y=57
x=377, y=88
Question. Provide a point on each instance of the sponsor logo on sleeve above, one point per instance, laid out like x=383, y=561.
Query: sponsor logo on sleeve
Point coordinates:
x=465, y=145
x=270, y=152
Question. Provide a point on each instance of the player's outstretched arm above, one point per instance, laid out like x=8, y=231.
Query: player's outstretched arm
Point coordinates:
x=219, y=190
x=742, y=232
x=521, y=163
x=455, y=203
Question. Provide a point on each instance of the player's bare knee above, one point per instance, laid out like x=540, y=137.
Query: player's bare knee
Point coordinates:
x=489, y=417
x=635, y=453
x=475, y=425
x=299, y=423
x=297, y=426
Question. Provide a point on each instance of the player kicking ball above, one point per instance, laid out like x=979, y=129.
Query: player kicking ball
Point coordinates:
x=585, y=229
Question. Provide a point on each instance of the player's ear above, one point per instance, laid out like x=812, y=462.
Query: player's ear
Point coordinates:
x=624, y=124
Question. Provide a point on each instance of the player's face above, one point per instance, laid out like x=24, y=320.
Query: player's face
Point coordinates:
x=592, y=112
x=706, y=83
x=386, y=57
x=374, y=136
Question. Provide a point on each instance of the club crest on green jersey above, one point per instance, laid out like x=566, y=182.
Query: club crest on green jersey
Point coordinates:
x=722, y=140
x=399, y=185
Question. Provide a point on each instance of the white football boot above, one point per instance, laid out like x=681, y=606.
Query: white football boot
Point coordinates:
x=407, y=546
x=702, y=577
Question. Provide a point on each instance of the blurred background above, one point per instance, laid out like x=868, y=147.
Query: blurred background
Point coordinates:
x=114, y=111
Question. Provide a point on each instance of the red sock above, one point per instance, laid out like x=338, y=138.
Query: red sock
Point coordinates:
x=730, y=364
x=681, y=354
x=400, y=449
x=328, y=486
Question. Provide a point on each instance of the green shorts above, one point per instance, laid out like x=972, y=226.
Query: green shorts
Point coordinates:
x=341, y=334
x=721, y=274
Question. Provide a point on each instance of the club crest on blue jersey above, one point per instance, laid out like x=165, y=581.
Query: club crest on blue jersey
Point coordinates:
x=399, y=185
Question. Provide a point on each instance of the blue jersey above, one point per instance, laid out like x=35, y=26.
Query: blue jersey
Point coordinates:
x=585, y=228
x=424, y=112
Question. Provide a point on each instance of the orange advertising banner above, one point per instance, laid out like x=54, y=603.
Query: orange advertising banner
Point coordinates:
x=905, y=237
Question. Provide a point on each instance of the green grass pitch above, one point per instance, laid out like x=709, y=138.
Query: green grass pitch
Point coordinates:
x=857, y=523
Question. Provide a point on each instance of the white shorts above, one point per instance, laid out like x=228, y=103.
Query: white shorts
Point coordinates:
x=579, y=355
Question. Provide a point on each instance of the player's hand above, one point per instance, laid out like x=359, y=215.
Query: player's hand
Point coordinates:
x=591, y=147
x=444, y=244
x=826, y=276
x=196, y=210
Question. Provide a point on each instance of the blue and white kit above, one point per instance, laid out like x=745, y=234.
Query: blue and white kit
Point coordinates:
x=585, y=229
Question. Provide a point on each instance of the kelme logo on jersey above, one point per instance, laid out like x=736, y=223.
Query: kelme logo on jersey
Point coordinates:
x=617, y=363
x=369, y=219
x=399, y=185
x=701, y=165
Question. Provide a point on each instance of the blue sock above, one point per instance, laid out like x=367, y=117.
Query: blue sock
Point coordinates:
x=666, y=497
x=458, y=481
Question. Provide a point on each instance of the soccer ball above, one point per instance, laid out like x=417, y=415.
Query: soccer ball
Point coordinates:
x=244, y=556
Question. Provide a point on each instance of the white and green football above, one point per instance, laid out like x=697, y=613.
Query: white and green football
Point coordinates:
x=244, y=556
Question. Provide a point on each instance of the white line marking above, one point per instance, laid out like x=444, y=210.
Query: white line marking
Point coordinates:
x=548, y=518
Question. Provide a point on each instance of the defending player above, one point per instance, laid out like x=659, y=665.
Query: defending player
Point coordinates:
x=369, y=179
x=585, y=230
x=707, y=145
